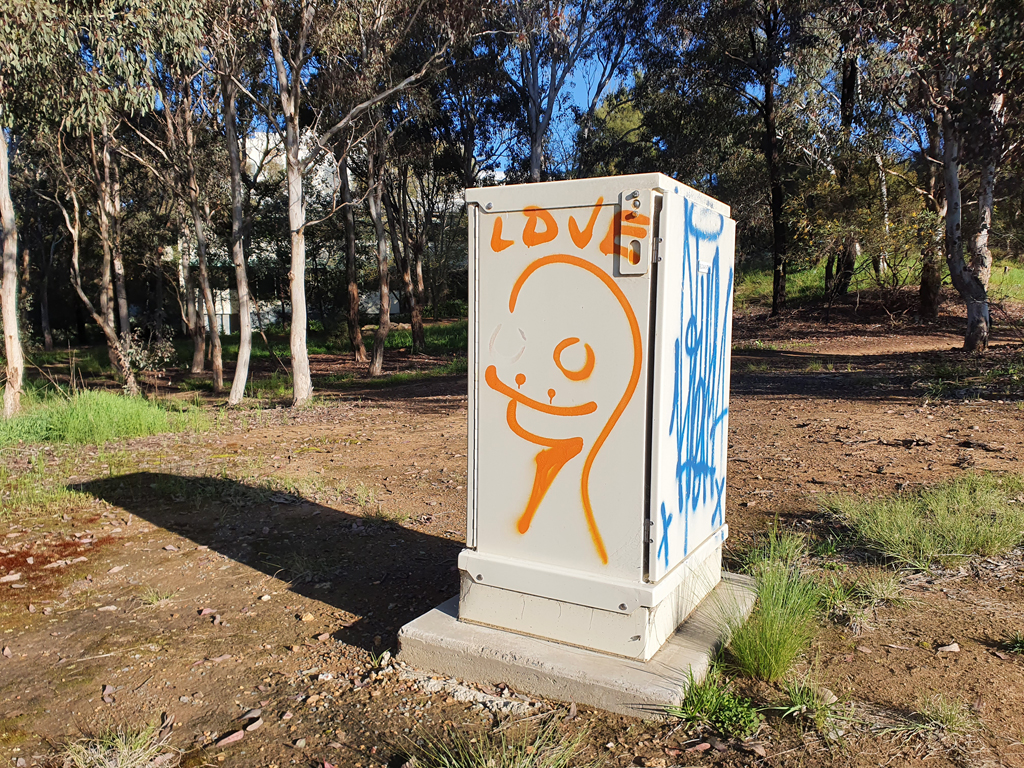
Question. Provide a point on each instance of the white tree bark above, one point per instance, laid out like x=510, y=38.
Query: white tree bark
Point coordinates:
x=237, y=246
x=9, y=290
x=290, y=89
x=971, y=289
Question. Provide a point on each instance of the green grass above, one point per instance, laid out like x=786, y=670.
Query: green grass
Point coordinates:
x=273, y=387
x=93, y=417
x=784, y=619
x=454, y=367
x=36, y=490
x=775, y=547
x=1007, y=281
x=711, y=704
x=547, y=747
x=878, y=589
x=970, y=516
x=754, y=286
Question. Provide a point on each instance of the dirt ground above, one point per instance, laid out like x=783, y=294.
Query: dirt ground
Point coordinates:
x=268, y=564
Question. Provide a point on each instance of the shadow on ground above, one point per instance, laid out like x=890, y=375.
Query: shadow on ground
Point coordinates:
x=383, y=573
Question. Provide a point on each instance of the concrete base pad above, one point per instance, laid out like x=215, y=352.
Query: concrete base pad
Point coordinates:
x=437, y=642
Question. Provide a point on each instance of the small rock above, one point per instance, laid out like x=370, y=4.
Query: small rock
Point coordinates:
x=864, y=649
x=287, y=716
x=232, y=738
x=171, y=548
x=754, y=746
x=702, y=747
x=108, y=689
x=951, y=648
x=108, y=608
x=254, y=724
x=323, y=636
x=300, y=743
x=718, y=744
x=207, y=612
x=251, y=714
x=9, y=578
x=308, y=617
x=116, y=569
x=264, y=598
x=827, y=696
x=7, y=652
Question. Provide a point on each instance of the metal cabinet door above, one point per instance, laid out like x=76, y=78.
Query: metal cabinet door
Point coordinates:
x=561, y=315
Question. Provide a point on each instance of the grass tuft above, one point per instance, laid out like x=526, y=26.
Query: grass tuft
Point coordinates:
x=547, y=747
x=950, y=715
x=120, y=748
x=1013, y=642
x=810, y=701
x=784, y=620
x=711, y=704
x=154, y=596
x=970, y=516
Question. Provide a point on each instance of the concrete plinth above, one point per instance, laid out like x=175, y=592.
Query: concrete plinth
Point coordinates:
x=439, y=643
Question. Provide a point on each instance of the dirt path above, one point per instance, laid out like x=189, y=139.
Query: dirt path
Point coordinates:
x=269, y=565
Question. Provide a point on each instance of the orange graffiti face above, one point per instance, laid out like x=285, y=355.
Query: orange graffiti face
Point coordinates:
x=557, y=452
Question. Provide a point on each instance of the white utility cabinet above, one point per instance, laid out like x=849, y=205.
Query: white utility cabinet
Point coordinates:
x=600, y=332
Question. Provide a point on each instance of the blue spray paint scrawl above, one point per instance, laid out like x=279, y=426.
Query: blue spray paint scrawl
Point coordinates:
x=699, y=407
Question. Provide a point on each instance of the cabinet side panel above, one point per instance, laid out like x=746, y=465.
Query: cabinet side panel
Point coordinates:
x=691, y=382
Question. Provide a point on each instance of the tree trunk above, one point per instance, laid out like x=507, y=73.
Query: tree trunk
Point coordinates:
x=237, y=249
x=302, y=383
x=44, y=307
x=193, y=314
x=216, y=354
x=847, y=264
x=355, y=333
x=400, y=246
x=113, y=180
x=929, y=296
x=967, y=284
x=105, y=323
x=100, y=167
x=880, y=261
x=290, y=93
x=9, y=289
x=377, y=216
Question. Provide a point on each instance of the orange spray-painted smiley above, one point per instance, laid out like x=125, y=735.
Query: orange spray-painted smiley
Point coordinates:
x=557, y=452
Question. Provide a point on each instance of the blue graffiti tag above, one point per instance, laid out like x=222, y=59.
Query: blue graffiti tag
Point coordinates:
x=666, y=523
x=699, y=407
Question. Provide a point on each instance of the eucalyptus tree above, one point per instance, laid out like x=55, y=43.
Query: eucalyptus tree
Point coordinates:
x=753, y=48
x=70, y=71
x=236, y=28
x=967, y=60
x=313, y=44
x=549, y=44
